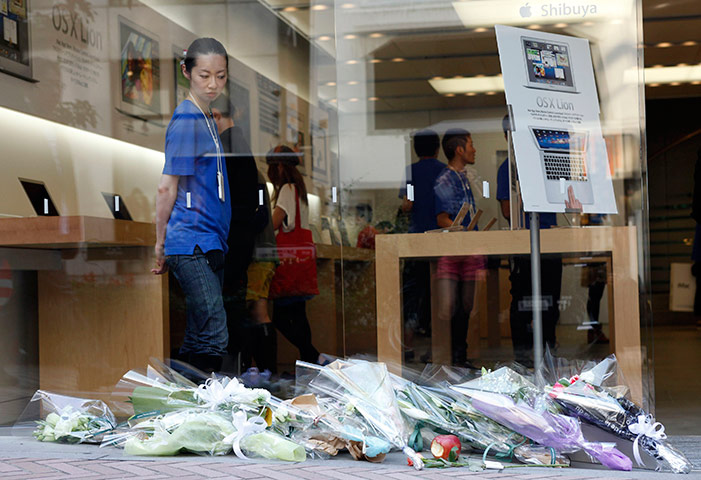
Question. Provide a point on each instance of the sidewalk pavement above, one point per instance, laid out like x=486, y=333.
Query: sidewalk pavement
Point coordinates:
x=25, y=458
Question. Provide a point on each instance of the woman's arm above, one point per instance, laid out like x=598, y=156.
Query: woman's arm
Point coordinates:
x=278, y=217
x=165, y=199
x=443, y=220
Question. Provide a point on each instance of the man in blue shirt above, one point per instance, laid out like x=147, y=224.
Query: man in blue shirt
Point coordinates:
x=416, y=276
x=521, y=316
x=455, y=276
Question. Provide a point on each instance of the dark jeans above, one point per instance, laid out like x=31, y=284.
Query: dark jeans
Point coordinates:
x=291, y=319
x=205, y=331
x=416, y=292
x=522, y=306
x=241, y=241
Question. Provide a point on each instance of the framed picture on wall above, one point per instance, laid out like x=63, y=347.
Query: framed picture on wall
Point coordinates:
x=181, y=84
x=319, y=143
x=140, y=72
x=15, y=40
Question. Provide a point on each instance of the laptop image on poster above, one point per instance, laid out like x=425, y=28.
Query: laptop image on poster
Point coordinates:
x=548, y=65
x=564, y=159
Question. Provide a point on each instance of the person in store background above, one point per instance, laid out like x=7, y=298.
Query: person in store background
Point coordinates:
x=521, y=312
x=289, y=190
x=193, y=209
x=416, y=276
x=366, y=236
x=243, y=185
x=455, y=276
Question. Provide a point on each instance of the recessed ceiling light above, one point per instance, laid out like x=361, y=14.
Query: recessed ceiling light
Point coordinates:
x=348, y=5
x=330, y=84
x=675, y=84
x=353, y=99
x=663, y=45
x=324, y=38
x=350, y=36
x=351, y=62
x=654, y=84
x=290, y=9
x=320, y=7
x=480, y=30
x=377, y=35
x=682, y=64
x=353, y=82
x=479, y=75
x=588, y=24
x=398, y=59
x=696, y=82
x=375, y=60
x=457, y=76
x=658, y=66
x=333, y=100
x=437, y=78
x=561, y=25
x=470, y=94
x=690, y=43
x=534, y=27
x=374, y=99
x=449, y=94
x=491, y=93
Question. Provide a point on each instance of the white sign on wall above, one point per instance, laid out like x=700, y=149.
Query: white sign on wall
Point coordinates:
x=560, y=151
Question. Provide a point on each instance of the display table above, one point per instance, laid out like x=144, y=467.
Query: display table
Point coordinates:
x=103, y=312
x=619, y=242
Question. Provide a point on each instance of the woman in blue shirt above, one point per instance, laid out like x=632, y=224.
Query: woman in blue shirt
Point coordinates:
x=193, y=209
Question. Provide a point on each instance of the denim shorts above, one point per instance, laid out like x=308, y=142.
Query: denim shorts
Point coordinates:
x=205, y=331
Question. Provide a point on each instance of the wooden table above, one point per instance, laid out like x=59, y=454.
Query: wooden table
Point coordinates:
x=619, y=242
x=101, y=312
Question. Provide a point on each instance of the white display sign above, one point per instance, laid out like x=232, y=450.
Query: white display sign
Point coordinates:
x=560, y=151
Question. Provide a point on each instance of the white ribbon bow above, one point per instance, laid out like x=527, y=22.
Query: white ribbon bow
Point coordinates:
x=646, y=427
x=216, y=392
x=244, y=427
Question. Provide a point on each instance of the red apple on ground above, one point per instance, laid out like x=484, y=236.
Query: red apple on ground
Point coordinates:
x=443, y=444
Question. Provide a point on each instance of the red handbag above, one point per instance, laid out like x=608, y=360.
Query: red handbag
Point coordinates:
x=295, y=276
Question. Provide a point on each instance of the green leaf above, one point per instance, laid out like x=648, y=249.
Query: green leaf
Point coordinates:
x=453, y=455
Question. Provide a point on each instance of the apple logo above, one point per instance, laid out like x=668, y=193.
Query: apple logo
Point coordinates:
x=525, y=11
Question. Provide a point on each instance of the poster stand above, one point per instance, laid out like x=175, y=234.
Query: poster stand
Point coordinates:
x=536, y=296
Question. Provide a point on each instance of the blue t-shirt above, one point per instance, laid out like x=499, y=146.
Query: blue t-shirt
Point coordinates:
x=451, y=190
x=422, y=175
x=547, y=220
x=191, y=154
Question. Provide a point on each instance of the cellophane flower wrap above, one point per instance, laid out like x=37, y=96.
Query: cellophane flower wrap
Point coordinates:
x=609, y=409
x=171, y=415
x=51, y=417
x=365, y=388
x=513, y=406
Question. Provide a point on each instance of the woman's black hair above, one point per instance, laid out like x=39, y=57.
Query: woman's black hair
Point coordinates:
x=203, y=46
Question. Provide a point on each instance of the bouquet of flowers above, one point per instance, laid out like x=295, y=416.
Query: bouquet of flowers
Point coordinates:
x=60, y=418
x=609, y=409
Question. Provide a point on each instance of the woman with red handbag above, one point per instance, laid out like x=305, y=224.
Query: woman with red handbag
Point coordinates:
x=295, y=277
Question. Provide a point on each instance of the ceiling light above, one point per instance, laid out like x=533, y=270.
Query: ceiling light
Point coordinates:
x=350, y=36
x=682, y=64
x=654, y=84
x=353, y=99
x=333, y=100
x=374, y=99
x=320, y=7
x=491, y=93
x=672, y=75
x=534, y=27
x=690, y=43
x=353, y=82
x=658, y=66
x=437, y=78
x=324, y=38
x=377, y=35
x=663, y=45
x=398, y=60
x=675, y=84
x=290, y=9
x=588, y=24
x=561, y=25
x=330, y=84
x=470, y=94
x=696, y=82
x=449, y=94
x=470, y=84
x=351, y=62
x=348, y=5
x=375, y=60
x=480, y=30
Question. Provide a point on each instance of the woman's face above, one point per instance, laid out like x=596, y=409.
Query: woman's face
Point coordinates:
x=207, y=78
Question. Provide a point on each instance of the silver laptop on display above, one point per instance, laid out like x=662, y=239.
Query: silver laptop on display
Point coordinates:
x=548, y=65
x=563, y=155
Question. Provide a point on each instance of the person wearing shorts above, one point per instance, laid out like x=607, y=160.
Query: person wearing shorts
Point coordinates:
x=455, y=276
